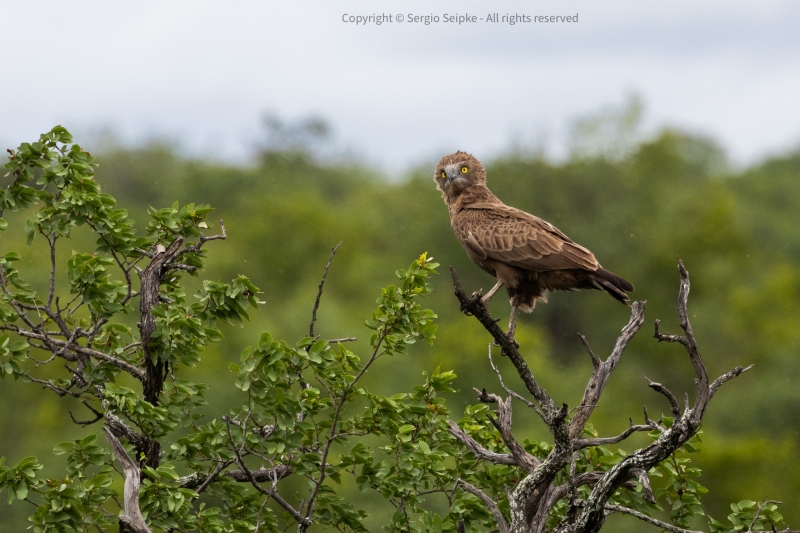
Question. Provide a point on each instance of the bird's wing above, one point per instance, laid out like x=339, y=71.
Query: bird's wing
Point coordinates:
x=520, y=239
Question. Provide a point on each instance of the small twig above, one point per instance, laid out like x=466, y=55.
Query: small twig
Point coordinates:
x=673, y=402
x=203, y=240
x=85, y=422
x=344, y=339
x=490, y=503
x=648, y=519
x=273, y=492
x=119, y=363
x=510, y=391
x=595, y=360
x=760, y=509
x=578, y=444
x=666, y=337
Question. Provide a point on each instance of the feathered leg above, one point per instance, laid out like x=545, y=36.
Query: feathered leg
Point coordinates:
x=488, y=295
x=512, y=321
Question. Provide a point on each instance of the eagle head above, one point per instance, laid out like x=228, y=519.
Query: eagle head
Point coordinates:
x=457, y=172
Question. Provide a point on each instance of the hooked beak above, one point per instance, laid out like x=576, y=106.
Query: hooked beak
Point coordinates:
x=452, y=173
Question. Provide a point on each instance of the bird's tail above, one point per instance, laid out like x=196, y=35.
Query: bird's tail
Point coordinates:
x=612, y=284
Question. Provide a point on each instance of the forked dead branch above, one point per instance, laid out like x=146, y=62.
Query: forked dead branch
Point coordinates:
x=536, y=495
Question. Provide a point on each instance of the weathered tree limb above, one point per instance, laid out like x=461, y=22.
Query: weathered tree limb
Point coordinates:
x=132, y=516
x=578, y=444
x=115, y=361
x=532, y=490
x=533, y=497
x=151, y=278
x=121, y=430
x=474, y=306
x=477, y=449
x=262, y=475
x=503, y=424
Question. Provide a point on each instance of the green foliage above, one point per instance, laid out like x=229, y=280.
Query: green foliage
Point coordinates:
x=748, y=515
x=88, y=277
x=312, y=405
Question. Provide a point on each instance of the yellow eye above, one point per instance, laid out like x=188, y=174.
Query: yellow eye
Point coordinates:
x=443, y=174
x=464, y=170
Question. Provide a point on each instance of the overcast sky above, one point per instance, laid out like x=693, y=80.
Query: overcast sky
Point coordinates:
x=399, y=94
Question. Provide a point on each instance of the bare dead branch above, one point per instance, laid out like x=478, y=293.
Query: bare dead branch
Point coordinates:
x=649, y=519
x=727, y=377
x=523, y=459
x=132, y=516
x=495, y=510
x=319, y=291
x=684, y=427
x=597, y=383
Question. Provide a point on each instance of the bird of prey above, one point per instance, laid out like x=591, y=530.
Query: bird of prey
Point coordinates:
x=528, y=255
